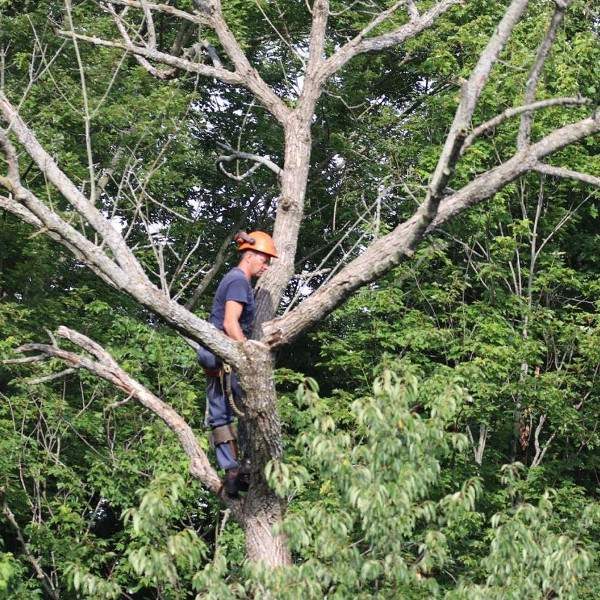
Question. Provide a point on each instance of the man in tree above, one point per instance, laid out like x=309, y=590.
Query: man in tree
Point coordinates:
x=233, y=313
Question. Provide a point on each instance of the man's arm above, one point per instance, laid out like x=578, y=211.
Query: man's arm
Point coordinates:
x=231, y=321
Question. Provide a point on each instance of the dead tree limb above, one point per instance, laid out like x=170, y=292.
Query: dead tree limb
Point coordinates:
x=518, y=110
x=360, y=44
x=259, y=161
x=553, y=171
x=105, y=367
x=524, y=134
x=124, y=272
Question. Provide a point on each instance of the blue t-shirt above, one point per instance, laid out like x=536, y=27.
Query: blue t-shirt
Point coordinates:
x=234, y=286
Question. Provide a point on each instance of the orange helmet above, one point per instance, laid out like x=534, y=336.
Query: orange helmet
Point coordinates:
x=258, y=241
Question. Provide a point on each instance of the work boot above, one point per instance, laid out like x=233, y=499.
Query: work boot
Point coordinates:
x=243, y=479
x=232, y=483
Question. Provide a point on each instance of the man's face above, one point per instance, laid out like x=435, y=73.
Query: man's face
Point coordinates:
x=260, y=263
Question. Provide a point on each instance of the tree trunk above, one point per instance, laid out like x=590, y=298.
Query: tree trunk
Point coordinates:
x=261, y=441
x=262, y=511
x=290, y=210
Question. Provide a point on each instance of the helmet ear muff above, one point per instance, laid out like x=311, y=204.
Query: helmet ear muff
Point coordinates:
x=242, y=237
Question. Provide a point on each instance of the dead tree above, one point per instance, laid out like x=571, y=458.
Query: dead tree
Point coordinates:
x=108, y=255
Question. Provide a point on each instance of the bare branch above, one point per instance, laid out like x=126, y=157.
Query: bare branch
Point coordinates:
x=471, y=91
x=28, y=207
x=199, y=19
x=567, y=174
x=50, y=377
x=86, y=108
x=359, y=45
x=158, y=73
x=413, y=11
x=149, y=24
x=479, y=448
x=536, y=70
x=248, y=76
x=237, y=155
x=14, y=179
x=162, y=57
x=128, y=274
x=540, y=452
x=87, y=344
x=118, y=404
x=513, y=112
x=65, y=186
x=316, y=53
x=355, y=274
x=378, y=20
x=24, y=360
x=523, y=161
x=106, y=368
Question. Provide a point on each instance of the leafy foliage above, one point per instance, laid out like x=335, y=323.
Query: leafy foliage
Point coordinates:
x=388, y=496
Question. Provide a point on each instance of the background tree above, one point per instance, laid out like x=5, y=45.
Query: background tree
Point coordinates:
x=166, y=245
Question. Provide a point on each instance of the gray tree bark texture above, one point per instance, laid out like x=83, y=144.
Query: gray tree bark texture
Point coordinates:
x=110, y=258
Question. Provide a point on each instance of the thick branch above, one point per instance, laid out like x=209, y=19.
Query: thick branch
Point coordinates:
x=513, y=112
x=389, y=250
x=316, y=46
x=106, y=367
x=527, y=159
x=471, y=91
x=27, y=206
x=210, y=14
x=536, y=70
x=20, y=212
x=316, y=56
x=247, y=74
x=128, y=274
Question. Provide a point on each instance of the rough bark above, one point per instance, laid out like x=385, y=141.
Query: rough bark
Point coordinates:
x=263, y=512
x=290, y=210
x=561, y=6
x=262, y=509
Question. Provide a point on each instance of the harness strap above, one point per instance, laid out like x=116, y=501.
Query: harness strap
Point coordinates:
x=226, y=387
x=223, y=434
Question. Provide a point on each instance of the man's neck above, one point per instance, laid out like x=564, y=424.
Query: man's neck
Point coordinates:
x=245, y=268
